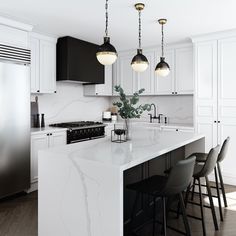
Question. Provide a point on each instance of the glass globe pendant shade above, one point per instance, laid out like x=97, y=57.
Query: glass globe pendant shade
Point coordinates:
x=139, y=62
x=106, y=53
x=162, y=68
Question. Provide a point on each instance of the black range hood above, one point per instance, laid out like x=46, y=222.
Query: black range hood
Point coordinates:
x=77, y=62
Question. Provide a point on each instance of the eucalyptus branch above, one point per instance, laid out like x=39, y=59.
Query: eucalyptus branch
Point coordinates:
x=128, y=108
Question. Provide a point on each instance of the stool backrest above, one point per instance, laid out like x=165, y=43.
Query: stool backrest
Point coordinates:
x=210, y=163
x=180, y=176
x=223, y=150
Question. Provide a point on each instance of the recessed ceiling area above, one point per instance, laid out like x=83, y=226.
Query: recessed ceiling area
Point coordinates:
x=86, y=19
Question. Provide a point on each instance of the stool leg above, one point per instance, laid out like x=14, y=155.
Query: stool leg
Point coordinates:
x=194, y=183
x=185, y=219
x=164, y=214
x=201, y=205
x=222, y=184
x=154, y=216
x=218, y=194
x=211, y=203
x=187, y=195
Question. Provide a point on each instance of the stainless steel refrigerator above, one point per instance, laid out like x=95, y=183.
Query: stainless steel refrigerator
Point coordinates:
x=14, y=120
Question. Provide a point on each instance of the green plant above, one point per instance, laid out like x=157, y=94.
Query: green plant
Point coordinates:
x=127, y=107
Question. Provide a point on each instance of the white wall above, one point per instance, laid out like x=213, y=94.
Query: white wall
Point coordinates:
x=179, y=109
x=69, y=104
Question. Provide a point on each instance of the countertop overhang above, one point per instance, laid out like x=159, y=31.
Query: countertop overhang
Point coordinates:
x=146, y=144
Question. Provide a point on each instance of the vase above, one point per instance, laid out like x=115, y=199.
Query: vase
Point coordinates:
x=128, y=129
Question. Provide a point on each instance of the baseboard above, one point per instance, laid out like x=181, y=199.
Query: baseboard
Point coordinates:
x=33, y=187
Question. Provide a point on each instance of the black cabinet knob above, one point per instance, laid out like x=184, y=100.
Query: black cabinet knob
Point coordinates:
x=38, y=91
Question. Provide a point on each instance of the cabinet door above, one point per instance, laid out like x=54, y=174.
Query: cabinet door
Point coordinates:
x=166, y=85
x=34, y=67
x=47, y=66
x=57, y=139
x=106, y=88
x=38, y=142
x=125, y=74
x=184, y=70
x=206, y=91
x=227, y=102
x=146, y=79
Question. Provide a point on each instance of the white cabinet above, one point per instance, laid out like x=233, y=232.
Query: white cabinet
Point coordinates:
x=180, y=79
x=178, y=129
x=206, y=91
x=184, y=83
x=101, y=89
x=166, y=85
x=43, y=64
x=40, y=141
x=130, y=80
x=146, y=79
x=215, y=102
x=125, y=76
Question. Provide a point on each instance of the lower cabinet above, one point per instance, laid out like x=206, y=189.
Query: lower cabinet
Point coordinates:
x=40, y=141
x=178, y=129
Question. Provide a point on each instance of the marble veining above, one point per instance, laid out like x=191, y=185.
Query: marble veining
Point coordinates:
x=81, y=185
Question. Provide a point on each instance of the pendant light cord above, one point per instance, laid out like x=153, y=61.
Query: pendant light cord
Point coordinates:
x=139, y=30
x=106, y=29
x=162, y=41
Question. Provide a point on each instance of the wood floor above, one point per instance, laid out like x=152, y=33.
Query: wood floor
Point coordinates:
x=18, y=217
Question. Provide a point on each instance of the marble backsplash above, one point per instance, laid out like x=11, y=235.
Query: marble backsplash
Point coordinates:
x=69, y=104
x=179, y=109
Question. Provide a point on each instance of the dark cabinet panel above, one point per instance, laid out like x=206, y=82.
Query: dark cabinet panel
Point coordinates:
x=76, y=61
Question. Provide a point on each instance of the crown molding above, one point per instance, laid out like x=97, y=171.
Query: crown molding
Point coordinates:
x=15, y=24
x=214, y=36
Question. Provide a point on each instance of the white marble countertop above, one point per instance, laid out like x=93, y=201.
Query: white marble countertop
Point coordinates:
x=147, y=143
x=154, y=124
x=46, y=130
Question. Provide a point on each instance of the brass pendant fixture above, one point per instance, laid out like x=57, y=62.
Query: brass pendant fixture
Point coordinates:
x=139, y=62
x=106, y=53
x=162, y=68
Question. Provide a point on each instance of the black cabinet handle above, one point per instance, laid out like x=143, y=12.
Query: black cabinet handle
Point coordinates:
x=177, y=130
x=176, y=93
x=38, y=91
x=214, y=121
x=218, y=121
x=55, y=91
x=47, y=134
x=173, y=93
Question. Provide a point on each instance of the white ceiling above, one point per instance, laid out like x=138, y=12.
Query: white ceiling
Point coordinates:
x=85, y=19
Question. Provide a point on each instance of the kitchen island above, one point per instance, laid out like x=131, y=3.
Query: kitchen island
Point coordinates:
x=82, y=185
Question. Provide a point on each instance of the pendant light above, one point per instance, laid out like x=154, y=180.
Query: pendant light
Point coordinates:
x=162, y=68
x=106, y=53
x=139, y=62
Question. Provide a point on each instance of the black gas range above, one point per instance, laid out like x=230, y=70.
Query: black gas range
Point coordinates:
x=82, y=130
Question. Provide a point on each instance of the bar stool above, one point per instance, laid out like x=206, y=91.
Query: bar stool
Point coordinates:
x=163, y=187
x=202, y=157
x=203, y=170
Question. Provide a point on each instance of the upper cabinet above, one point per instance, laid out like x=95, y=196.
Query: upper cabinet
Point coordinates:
x=101, y=89
x=179, y=81
x=43, y=63
x=184, y=83
x=166, y=85
x=124, y=74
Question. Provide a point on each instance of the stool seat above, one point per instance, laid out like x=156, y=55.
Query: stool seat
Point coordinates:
x=152, y=185
x=200, y=156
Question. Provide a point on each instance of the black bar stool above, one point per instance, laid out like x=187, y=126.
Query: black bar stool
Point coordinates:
x=202, y=170
x=163, y=187
x=202, y=157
